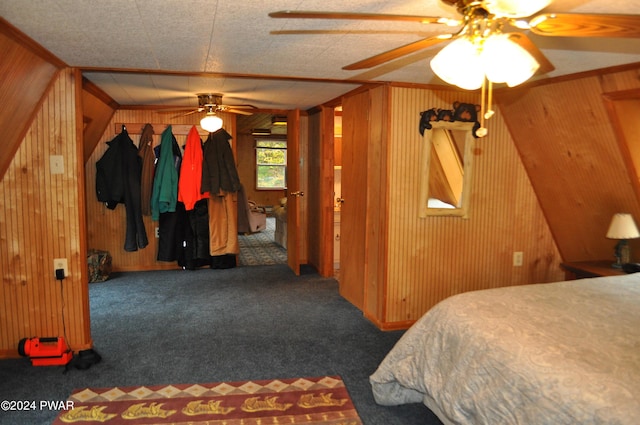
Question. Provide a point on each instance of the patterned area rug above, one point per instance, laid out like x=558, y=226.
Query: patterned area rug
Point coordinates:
x=321, y=400
x=258, y=249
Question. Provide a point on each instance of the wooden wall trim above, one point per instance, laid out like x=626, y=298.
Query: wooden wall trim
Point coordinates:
x=90, y=87
x=79, y=172
x=327, y=200
x=623, y=109
x=25, y=41
x=97, y=111
x=376, y=261
x=176, y=129
x=531, y=83
x=571, y=152
x=13, y=143
x=222, y=75
x=26, y=78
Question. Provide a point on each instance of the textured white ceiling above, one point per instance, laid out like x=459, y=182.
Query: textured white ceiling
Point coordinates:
x=180, y=40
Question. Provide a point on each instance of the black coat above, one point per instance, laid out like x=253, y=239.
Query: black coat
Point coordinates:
x=219, y=166
x=118, y=181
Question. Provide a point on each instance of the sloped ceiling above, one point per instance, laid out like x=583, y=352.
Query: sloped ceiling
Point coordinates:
x=163, y=52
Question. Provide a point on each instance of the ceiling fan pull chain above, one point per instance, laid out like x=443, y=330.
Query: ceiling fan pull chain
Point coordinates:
x=489, y=113
x=483, y=96
x=482, y=131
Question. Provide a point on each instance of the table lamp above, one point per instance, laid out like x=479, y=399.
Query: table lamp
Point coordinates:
x=622, y=227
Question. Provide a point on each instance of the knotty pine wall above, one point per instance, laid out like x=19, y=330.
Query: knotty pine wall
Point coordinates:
x=429, y=259
x=569, y=148
x=27, y=71
x=106, y=228
x=43, y=217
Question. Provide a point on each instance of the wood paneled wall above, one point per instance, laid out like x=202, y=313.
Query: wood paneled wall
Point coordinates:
x=42, y=219
x=97, y=111
x=27, y=71
x=106, y=228
x=569, y=149
x=432, y=258
x=321, y=198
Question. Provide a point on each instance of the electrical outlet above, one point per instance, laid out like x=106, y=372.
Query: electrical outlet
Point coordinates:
x=517, y=258
x=56, y=164
x=60, y=263
x=157, y=233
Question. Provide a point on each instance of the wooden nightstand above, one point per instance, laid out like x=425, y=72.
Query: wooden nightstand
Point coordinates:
x=586, y=269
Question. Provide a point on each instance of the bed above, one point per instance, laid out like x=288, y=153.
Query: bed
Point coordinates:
x=554, y=353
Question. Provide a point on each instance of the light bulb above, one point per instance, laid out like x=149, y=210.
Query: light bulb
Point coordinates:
x=459, y=64
x=505, y=61
x=211, y=122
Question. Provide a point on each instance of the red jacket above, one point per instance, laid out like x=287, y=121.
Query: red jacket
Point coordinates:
x=190, y=180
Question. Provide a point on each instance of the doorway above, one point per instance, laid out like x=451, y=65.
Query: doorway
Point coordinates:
x=268, y=246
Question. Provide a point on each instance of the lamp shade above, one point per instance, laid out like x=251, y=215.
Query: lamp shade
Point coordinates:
x=504, y=61
x=623, y=227
x=465, y=64
x=459, y=64
x=211, y=122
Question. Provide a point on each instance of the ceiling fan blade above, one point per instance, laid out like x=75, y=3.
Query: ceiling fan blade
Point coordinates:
x=398, y=52
x=169, y=110
x=302, y=14
x=188, y=113
x=238, y=111
x=173, y=111
x=586, y=25
x=345, y=31
x=239, y=106
x=526, y=43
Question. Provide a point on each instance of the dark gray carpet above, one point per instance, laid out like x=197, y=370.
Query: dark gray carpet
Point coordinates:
x=209, y=325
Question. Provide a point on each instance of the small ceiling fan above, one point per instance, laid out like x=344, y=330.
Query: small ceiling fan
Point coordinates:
x=482, y=18
x=212, y=103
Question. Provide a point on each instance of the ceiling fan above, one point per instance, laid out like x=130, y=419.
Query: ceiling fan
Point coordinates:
x=488, y=42
x=483, y=18
x=212, y=103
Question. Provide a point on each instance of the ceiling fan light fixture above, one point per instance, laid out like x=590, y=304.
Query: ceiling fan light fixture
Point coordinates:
x=534, y=22
x=521, y=24
x=211, y=122
x=516, y=8
x=450, y=22
x=459, y=64
x=507, y=62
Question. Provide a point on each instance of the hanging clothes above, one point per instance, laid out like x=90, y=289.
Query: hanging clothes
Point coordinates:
x=118, y=175
x=223, y=224
x=219, y=170
x=165, y=182
x=220, y=179
x=196, y=243
x=190, y=180
x=148, y=158
x=171, y=215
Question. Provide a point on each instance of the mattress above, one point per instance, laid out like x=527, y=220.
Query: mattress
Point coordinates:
x=554, y=353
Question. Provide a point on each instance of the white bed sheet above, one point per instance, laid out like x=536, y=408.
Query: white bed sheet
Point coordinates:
x=557, y=353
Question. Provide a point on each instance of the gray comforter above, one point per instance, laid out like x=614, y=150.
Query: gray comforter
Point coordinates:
x=557, y=353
